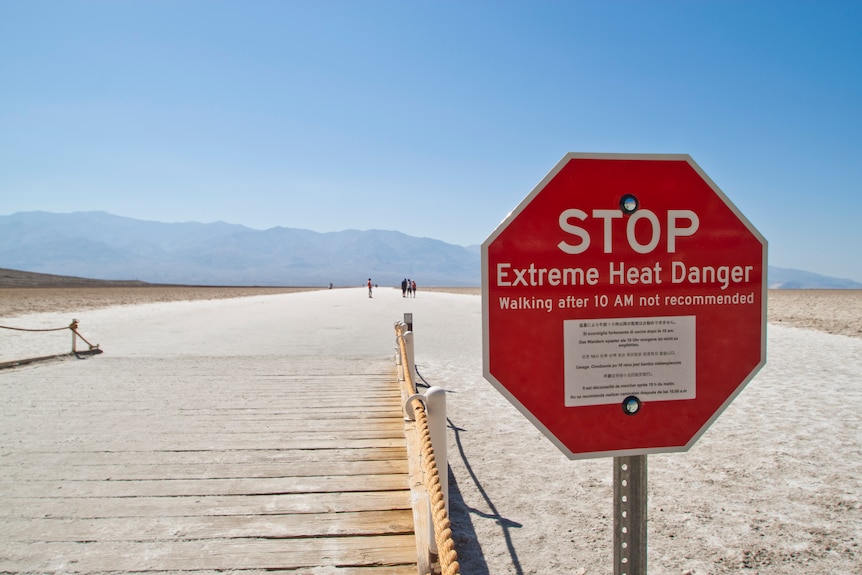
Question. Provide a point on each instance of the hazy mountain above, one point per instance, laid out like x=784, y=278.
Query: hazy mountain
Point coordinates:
x=103, y=246
x=785, y=278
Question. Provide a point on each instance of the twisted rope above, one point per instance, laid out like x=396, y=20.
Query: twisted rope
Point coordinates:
x=447, y=555
x=73, y=327
x=76, y=332
x=25, y=329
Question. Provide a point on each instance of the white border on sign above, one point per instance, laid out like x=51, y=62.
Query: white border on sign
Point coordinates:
x=486, y=300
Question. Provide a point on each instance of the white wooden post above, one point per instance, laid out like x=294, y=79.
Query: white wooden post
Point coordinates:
x=435, y=404
x=399, y=361
x=411, y=357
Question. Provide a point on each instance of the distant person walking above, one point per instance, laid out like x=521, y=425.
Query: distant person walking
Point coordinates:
x=413, y=287
x=404, y=287
x=369, y=287
x=409, y=288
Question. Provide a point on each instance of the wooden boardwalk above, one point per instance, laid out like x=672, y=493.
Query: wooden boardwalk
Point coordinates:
x=204, y=465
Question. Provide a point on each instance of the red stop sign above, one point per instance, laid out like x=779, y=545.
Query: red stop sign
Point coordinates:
x=624, y=304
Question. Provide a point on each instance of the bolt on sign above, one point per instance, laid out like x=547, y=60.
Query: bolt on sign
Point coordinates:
x=624, y=304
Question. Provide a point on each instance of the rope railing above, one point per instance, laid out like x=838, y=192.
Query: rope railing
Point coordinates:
x=447, y=555
x=33, y=330
x=73, y=327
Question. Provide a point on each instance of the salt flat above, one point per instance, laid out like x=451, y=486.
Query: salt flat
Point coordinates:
x=772, y=487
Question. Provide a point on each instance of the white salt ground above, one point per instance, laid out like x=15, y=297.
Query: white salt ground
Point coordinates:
x=773, y=487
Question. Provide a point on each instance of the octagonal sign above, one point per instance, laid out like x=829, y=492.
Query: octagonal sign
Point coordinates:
x=624, y=304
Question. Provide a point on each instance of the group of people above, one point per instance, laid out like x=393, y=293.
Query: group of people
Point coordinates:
x=408, y=288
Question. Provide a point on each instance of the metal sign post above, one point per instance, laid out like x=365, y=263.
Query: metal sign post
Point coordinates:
x=630, y=515
x=624, y=280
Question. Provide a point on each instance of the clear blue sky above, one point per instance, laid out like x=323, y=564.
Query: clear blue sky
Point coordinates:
x=431, y=118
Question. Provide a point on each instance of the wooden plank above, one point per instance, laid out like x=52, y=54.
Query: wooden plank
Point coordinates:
x=230, y=554
x=130, y=472
x=316, y=418
x=391, y=522
x=49, y=459
x=86, y=441
x=288, y=436
x=205, y=487
x=156, y=420
x=258, y=401
x=208, y=441
x=92, y=507
x=422, y=521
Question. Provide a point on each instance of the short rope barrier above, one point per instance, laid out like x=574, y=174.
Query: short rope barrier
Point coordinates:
x=33, y=330
x=447, y=555
x=73, y=327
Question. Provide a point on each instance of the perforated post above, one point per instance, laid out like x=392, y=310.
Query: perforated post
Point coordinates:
x=630, y=515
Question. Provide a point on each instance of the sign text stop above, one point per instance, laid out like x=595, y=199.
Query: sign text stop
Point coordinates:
x=623, y=304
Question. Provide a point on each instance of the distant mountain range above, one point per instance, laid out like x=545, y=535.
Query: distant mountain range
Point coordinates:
x=786, y=278
x=103, y=246
x=99, y=245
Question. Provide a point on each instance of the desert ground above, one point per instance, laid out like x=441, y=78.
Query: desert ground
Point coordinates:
x=832, y=311
x=16, y=301
x=774, y=487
